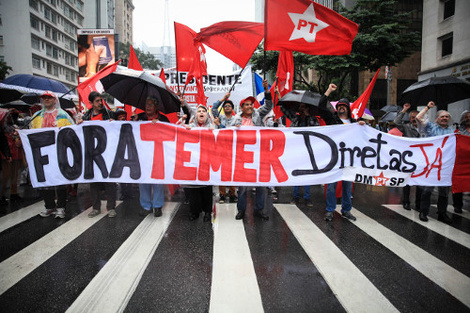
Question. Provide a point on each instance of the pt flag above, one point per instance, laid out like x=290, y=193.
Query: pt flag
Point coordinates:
x=308, y=27
x=89, y=85
x=358, y=107
x=235, y=40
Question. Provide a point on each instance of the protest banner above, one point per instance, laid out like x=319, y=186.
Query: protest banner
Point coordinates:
x=142, y=152
x=215, y=85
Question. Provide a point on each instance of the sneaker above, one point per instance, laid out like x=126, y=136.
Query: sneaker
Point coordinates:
x=273, y=191
x=309, y=203
x=157, y=212
x=222, y=199
x=294, y=201
x=233, y=199
x=348, y=215
x=443, y=217
x=112, y=213
x=94, y=213
x=60, y=213
x=240, y=215
x=144, y=212
x=47, y=212
x=329, y=216
x=458, y=210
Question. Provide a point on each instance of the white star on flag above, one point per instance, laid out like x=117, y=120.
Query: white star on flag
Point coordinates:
x=306, y=25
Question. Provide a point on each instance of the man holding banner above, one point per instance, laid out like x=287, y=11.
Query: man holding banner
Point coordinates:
x=251, y=117
x=99, y=113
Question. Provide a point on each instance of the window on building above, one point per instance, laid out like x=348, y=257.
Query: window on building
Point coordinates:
x=47, y=31
x=2, y=58
x=79, y=5
x=34, y=22
x=35, y=43
x=55, y=53
x=56, y=70
x=47, y=13
x=48, y=50
x=34, y=4
x=54, y=35
x=1, y=40
x=49, y=68
x=54, y=18
x=449, y=8
x=36, y=62
x=447, y=43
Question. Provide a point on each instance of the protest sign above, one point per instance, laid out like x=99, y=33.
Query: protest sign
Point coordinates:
x=142, y=152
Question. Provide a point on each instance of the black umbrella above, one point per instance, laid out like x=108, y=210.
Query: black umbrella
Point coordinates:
x=8, y=95
x=133, y=87
x=391, y=115
x=292, y=100
x=441, y=90
x=32, y=98
x=391, y=108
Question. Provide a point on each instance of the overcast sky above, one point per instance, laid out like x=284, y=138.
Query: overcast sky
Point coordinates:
x=149, y=21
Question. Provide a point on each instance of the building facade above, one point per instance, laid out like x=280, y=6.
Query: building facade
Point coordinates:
x=39, y=37
x=123, y=17
x=99, y=14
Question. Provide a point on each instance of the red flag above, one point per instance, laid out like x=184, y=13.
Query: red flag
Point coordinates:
x=134, y=63
x=358, y=107
x=308, y=27
x=235, y=40
x=190, y=53
x=89, y=85
x=461, y=173
x=162, y=75
x=285, y=78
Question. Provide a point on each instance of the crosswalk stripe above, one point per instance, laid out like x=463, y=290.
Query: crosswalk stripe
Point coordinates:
x=25, y=261
x=343, y=277
x=20, y=215
x=451, y=280
x=434, y=225
x=234, y=283
x=464, y=213
x=111, y=289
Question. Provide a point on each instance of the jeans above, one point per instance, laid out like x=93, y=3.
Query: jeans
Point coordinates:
x=152, y=195
x=306, y=192
x=442, y=199
x=259, y=202
x=346, y=204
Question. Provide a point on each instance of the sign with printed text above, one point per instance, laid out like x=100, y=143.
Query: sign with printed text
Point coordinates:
x=140, y=152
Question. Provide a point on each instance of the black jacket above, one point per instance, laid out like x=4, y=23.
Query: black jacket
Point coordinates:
x=107, y=114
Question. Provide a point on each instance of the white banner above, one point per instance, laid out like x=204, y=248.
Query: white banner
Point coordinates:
x=142, y=152
x=215, y=86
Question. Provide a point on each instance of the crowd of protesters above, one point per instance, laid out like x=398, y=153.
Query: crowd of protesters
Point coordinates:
x=221, y=115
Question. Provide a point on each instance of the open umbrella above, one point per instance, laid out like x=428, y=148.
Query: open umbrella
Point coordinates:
x=441, y=90
x=133, y=87
x=292, y=100
x=24, y=83
x=390, y=117
x=32, y=98
x=391, y=108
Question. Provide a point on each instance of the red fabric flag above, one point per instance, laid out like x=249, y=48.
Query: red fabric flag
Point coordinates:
x=285, y=78
x=235, y=40
x=162, y=75
x=308, y=27
x=190, y=53
x=133, y=64
x=358, y=107
x=89, y=85
x=461, y=173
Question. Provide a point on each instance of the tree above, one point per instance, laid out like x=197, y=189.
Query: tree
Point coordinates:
x=147, y=60
x=383, y=39
x=4, y=70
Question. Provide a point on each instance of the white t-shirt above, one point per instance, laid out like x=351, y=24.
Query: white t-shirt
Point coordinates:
x=346, y=121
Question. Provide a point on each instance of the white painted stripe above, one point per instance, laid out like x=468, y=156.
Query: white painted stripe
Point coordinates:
x=451, y=280
x=25, y=261
x=20, y=215
x=441, y=228
x=352, y=288
x=234, y=283
x=111, y=289
x=464, y=213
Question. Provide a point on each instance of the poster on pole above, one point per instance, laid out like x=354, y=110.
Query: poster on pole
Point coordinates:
x=95, y=51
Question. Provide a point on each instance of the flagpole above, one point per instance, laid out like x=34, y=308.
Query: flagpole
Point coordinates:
x=233, y=85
